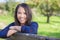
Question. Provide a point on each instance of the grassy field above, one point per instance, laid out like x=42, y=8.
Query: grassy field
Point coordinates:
x=51, y=29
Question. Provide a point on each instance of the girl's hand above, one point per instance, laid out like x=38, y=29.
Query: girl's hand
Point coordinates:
x=13, y=29
x=18, y=28
x=11, y=32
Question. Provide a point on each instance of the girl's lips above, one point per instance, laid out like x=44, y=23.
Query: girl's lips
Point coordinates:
x=21, y=19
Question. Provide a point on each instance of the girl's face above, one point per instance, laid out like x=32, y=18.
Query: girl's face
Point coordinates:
x=21, y=15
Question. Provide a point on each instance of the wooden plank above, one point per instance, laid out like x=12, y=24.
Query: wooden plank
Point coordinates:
x=24, y=36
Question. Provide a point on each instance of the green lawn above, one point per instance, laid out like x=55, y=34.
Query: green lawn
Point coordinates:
x=51, y=29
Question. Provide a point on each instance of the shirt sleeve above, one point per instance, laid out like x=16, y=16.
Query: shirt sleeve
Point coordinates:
x=32, y=29
x=3, y=32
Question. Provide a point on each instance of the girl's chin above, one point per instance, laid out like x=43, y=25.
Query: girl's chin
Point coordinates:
x=22, y=22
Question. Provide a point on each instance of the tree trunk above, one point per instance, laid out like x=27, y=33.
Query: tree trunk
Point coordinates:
x=48, y=18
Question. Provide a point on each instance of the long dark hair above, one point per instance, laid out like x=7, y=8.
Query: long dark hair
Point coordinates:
x=27, y=11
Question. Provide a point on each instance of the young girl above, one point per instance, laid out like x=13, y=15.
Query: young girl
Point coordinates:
x=22, y=23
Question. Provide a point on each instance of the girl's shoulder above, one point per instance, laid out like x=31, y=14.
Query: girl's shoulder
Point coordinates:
x=34, y=23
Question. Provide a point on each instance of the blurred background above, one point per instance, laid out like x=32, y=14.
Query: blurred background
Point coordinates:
x=45, y=12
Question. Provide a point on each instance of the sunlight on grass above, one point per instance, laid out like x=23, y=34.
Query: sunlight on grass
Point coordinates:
x=47, y=29
x=2, y=39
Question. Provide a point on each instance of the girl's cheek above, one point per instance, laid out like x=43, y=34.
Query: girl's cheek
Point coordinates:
x=18, y=15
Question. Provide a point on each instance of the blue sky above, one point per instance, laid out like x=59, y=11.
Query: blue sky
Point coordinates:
x=16, y=0
x=2, y=1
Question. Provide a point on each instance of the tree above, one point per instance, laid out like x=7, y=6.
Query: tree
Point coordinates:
x=10, y=6
x=6, y=6
x=33, y=3
x=47, y=9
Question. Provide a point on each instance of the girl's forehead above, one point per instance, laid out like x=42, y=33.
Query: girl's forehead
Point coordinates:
x=21, y=9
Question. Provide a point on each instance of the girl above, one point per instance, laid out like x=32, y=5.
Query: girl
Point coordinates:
x=22, y=23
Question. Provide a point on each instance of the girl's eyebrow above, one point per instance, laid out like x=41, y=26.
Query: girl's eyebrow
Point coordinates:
x=20, y=12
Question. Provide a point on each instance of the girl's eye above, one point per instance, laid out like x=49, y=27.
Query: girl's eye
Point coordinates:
x=19, y=12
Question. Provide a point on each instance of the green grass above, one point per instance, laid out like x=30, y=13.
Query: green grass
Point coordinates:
x=7, y=19
x=51, y=29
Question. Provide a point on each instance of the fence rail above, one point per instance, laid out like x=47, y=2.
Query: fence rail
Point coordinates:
x=24, y=36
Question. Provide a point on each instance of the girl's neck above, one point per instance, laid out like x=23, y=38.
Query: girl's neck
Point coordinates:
x=22, y=24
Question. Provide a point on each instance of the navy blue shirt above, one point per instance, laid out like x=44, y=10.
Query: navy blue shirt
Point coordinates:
x=32, y=29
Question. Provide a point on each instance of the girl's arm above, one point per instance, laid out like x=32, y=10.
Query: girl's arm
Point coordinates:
x=5, y=31
x=32, y=29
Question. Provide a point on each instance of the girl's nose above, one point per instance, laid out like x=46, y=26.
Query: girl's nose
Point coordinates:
x=22, y=15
